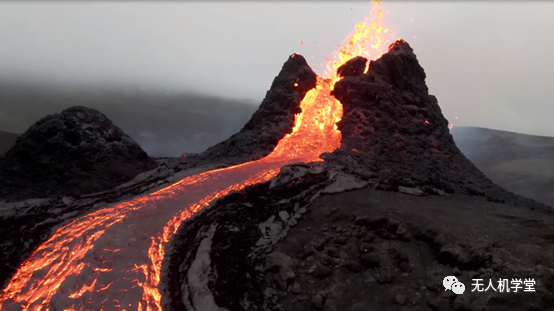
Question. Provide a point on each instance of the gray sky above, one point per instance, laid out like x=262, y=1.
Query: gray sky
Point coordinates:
x=489, y=63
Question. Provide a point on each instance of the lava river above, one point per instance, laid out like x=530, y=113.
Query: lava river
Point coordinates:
x=111, y=259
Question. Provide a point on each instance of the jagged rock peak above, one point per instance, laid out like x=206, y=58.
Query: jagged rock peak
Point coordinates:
x=353, y=67
x=296, y=70
x=400, y=68
x=394, y=129
x=74, y=152
x=273, y=119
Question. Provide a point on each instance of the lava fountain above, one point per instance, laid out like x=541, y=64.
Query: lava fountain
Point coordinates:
x=111, y=259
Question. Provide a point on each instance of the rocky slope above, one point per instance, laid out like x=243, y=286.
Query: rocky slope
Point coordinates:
x=394, y=129
x=375, y=250
x=273, y=119
x=517, y=162
x=75, y=152
x=7, y=140
x=295, y=244
x=290, y=244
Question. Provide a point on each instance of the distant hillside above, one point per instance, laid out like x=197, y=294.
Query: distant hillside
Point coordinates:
x=165, y=123
x=7, y=140
x=521, y=163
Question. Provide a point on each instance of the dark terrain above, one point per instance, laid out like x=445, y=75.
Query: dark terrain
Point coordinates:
x=7, y=140
x=192, y=123
x=75, y=152
x=423, y=211
x=376, y=250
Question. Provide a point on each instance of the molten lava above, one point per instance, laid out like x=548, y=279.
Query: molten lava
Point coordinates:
x=111, y=259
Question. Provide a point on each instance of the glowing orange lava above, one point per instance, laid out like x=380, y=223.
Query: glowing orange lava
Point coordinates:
x=111, y=259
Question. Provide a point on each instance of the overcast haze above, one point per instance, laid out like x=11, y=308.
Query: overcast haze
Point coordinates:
x=489, y=63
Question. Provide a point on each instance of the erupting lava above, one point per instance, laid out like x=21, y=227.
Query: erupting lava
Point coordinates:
x=111, y=259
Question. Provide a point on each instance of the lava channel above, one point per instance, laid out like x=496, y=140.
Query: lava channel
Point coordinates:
x=111, y=259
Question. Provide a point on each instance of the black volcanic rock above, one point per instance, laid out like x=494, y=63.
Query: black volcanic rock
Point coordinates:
x=273, y=119
x=76, y=152
x=353, y=67
x=363, y=249
x=394, y=129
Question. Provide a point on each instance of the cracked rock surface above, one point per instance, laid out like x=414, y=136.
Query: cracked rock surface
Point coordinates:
x=391, y=251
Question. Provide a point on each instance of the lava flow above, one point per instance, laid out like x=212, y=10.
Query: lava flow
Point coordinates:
x=111, y=259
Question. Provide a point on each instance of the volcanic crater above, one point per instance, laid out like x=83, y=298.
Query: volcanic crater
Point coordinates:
x=282, y=244
x=368, y=213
